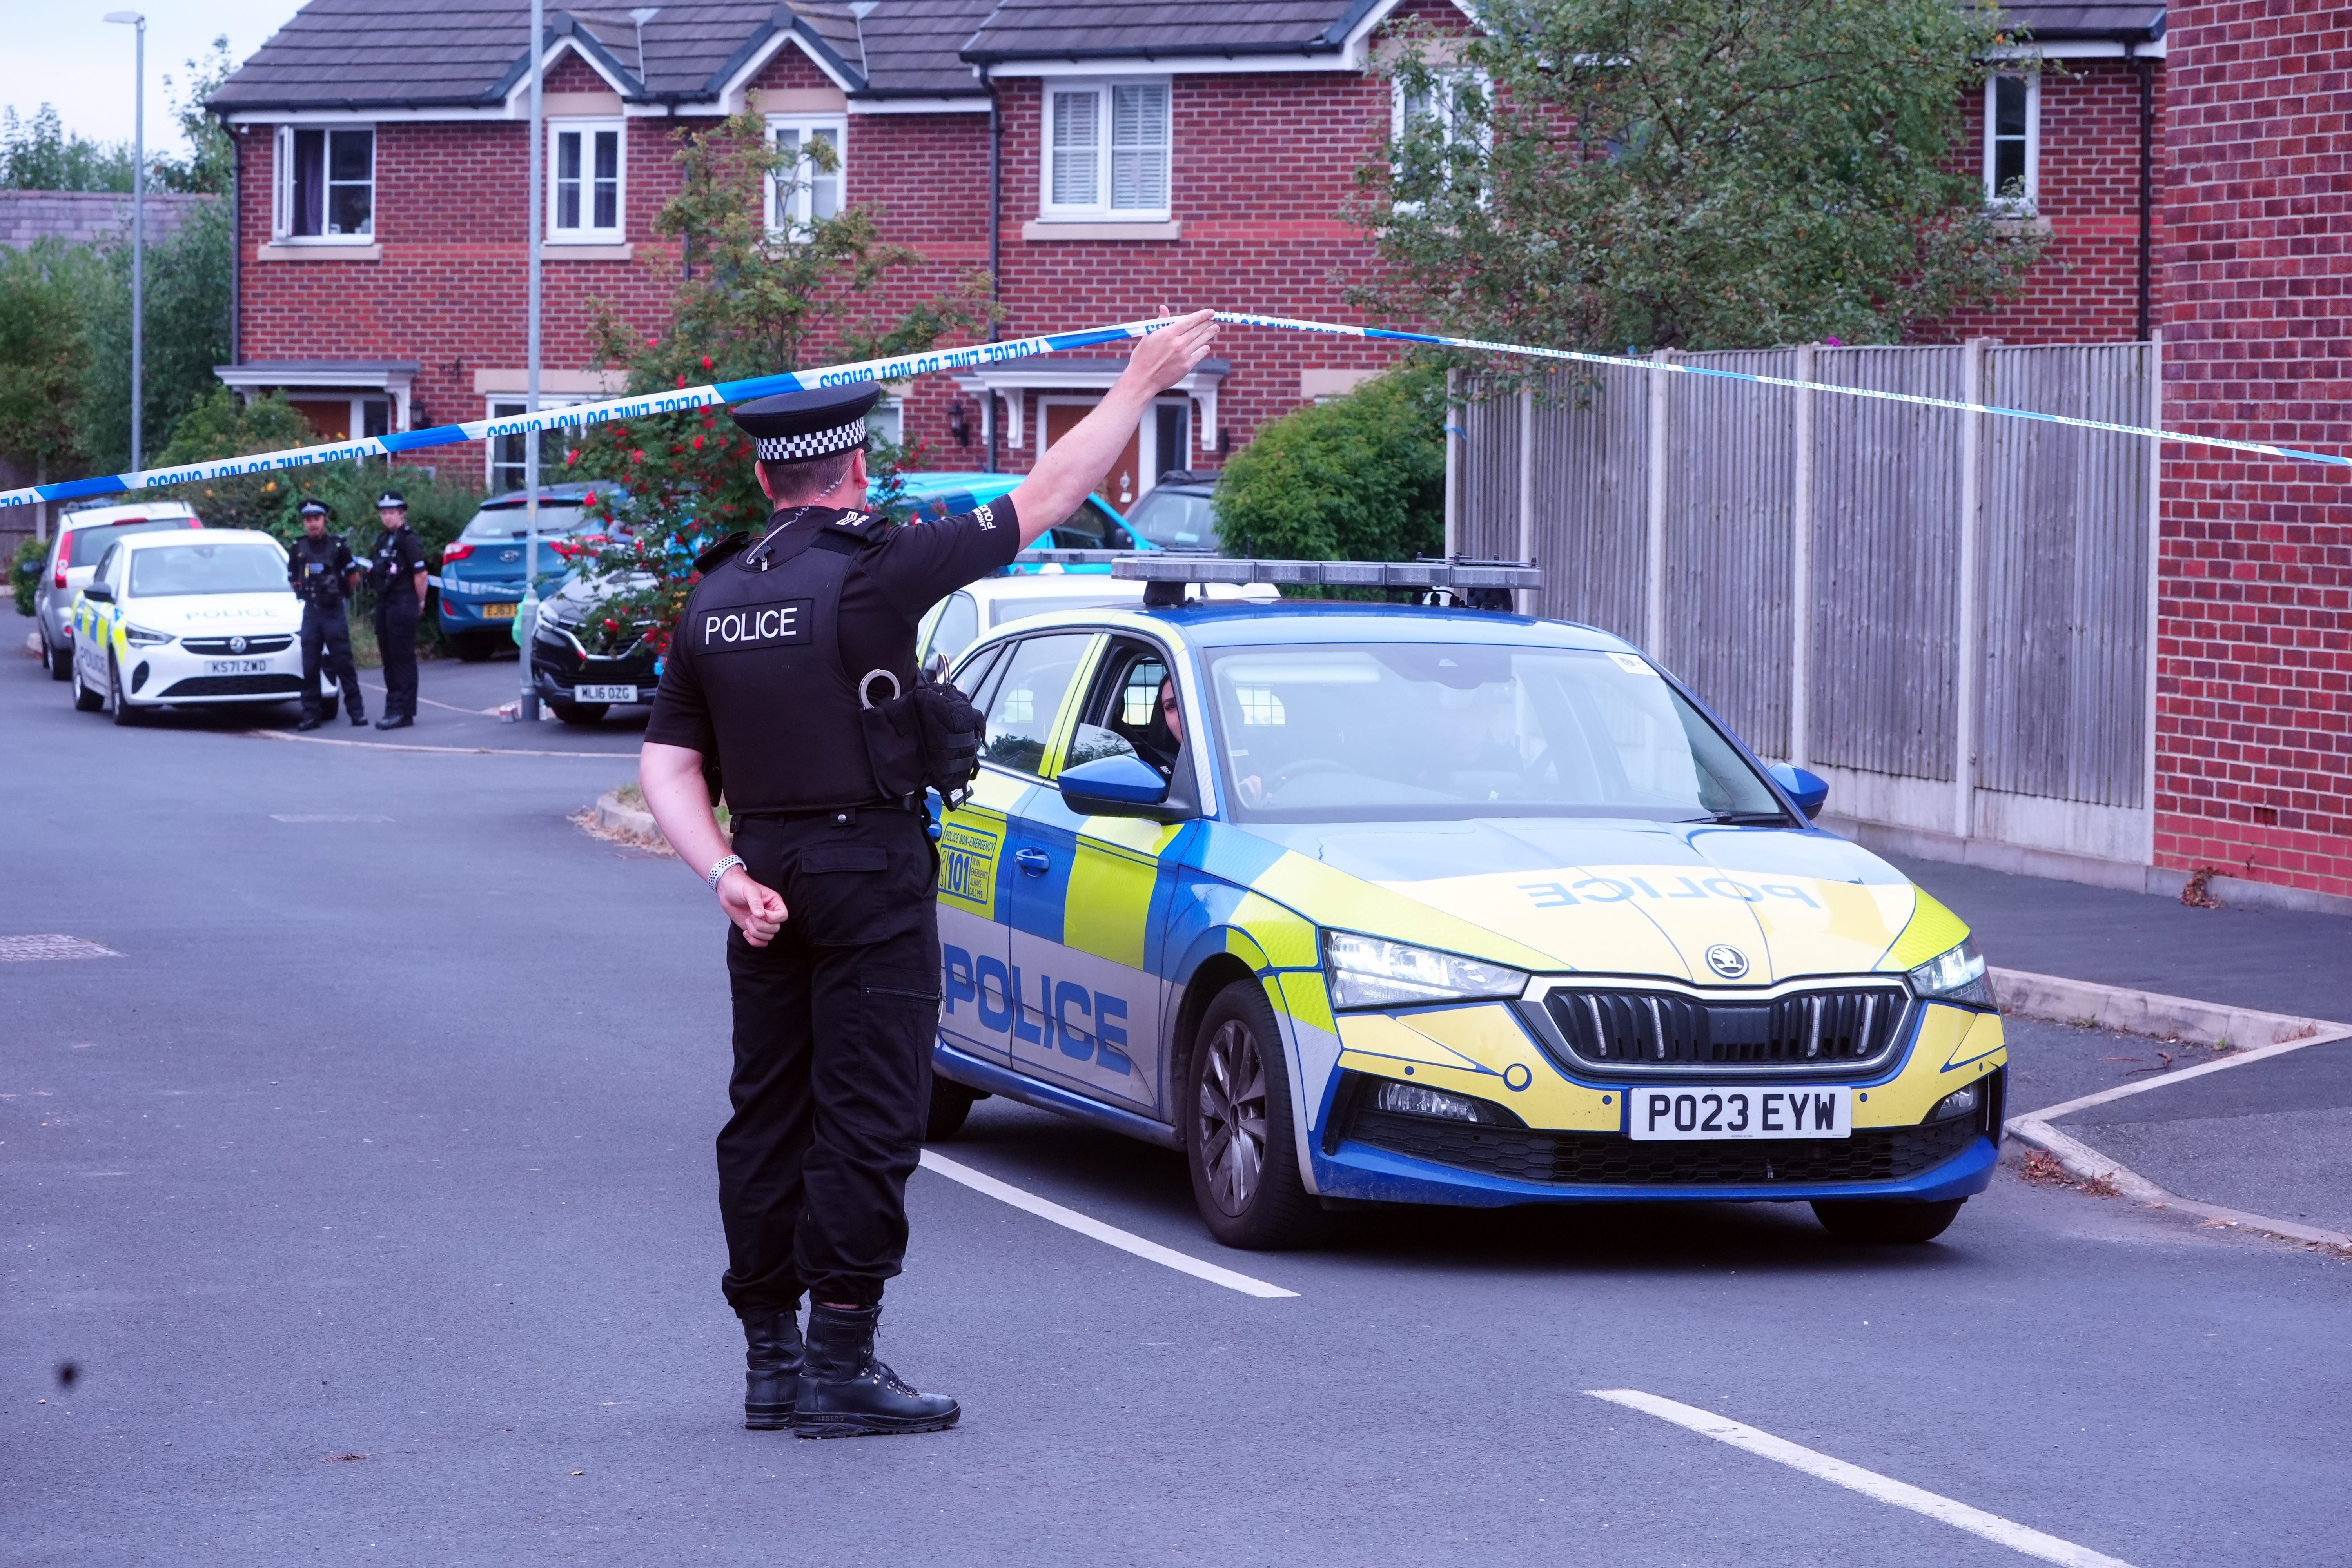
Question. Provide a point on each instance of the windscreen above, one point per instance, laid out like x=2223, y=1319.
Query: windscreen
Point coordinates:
x=1418, y=731
x=1175, y=520
x=496, y=525
x=89, y=543
x=207, y=569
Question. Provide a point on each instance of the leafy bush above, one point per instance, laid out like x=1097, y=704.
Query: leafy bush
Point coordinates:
x=24, y=573
x=1362, y=477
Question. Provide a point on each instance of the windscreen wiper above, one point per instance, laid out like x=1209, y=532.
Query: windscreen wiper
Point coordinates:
x=1745, y=819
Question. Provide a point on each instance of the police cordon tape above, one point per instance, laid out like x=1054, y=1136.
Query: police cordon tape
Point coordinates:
x=901, y=367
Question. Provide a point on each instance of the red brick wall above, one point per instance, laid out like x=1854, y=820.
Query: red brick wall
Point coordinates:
x=2254, y=675
x=2085, y=290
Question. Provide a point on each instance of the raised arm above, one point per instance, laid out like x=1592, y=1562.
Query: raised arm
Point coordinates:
x=1076, y=463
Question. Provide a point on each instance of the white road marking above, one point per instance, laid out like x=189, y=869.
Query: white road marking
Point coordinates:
x=400, y=746
x=1869, y=1483
x=50, y=945
x=2327, y=1037
x=1084, y=1224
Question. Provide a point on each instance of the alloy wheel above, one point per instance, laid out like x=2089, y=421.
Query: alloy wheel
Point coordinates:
x=1232, y=1116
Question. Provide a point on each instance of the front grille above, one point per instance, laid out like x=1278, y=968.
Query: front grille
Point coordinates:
x=1613, y=1160
x=1843, y=1028
x=219, y=647
x=234, y=685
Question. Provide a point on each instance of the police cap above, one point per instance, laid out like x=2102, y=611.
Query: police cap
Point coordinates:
x=795, y=426
x=391, y=499
x=313, y=508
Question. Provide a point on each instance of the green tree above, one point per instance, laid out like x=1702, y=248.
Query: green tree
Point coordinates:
x=43, y=356
x=1361, y=477
x=40, y=154
x=187, y=335
x=756, y=302
x=212, y=152
x=1690, y=173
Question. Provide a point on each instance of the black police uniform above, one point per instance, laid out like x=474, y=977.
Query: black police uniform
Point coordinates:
x=320, y=571
x=398, y=557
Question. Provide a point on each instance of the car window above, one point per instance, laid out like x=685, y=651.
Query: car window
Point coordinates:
x=973, y=677
x=1121, y=716
x=1175, y=520
x=1424, y=732
x=496, y=524
x=90, y=544
x=105, y=572
x=1022, y=710
x=957, y=628
x=1091, y=527
x=207, y=569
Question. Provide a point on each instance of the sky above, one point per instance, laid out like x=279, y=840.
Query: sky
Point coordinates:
x=65, y=55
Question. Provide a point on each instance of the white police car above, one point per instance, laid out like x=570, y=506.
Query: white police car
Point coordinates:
x=192, y=618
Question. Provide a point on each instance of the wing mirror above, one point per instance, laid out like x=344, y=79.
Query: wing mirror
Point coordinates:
x=1124, y=785
x=1808, y=790
x=100, y=592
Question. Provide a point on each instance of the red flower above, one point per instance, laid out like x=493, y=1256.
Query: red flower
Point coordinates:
x=706, y=361
x=637, y=456
x=681, y=378
x=698, y=443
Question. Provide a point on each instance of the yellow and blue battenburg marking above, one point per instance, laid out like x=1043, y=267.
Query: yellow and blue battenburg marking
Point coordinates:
x=1076, y=952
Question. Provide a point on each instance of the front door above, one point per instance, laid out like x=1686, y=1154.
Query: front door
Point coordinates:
x=1123, y=486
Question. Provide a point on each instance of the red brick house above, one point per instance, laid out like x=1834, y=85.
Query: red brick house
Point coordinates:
x=1136, y=159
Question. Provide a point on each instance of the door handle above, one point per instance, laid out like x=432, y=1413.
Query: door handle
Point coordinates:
x=1032, y=861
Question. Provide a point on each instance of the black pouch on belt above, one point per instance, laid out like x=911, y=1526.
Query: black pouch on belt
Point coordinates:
x=925, y=739
x=894, y=742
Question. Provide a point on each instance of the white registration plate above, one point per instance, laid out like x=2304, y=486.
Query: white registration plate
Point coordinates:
x=1660, y=1115
x=604, y=694
x=238, y=666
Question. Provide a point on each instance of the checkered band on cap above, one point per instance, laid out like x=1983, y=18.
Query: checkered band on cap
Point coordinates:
x=816, y=444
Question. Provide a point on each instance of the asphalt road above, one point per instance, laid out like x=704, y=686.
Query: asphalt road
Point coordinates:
x=369, y=1193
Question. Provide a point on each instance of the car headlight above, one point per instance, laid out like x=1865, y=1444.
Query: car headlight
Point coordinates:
x=1366, y=972
x=1958, y=975
x=139, y=637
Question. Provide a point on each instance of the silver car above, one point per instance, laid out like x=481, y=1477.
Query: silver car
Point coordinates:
x=83, y=535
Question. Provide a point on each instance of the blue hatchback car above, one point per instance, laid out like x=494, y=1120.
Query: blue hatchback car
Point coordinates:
x=481, y=575
x=1095, y=525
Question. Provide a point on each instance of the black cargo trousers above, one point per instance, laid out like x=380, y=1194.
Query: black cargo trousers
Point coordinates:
x=835, y=1022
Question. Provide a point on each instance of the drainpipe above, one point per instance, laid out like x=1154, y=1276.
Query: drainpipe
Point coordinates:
x=236, y=239
x=995, y=245
x=2144, y=69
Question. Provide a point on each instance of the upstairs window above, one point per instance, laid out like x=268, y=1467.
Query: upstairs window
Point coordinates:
x=808, y=189
x=1432, y=122
x=326, y=184
x=2012, y=169
x=1107, y=151
x=583, y=188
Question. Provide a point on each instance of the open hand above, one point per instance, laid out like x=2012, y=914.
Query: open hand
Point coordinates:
x=758, y=911
x=1174, y=351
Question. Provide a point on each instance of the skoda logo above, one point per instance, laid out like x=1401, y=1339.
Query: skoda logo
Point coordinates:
x=1726, y=960
x=237, y=645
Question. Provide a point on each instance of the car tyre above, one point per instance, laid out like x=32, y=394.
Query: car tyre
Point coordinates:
x=117, y=709
x=58, y=660
x=473, y=647
x=84, y=699
x=951, y=1103
x=1240, y=1138
x=1886, y=1222
x=579, y=712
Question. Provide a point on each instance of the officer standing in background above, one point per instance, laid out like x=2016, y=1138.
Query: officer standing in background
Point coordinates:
x=397, y=574
x=324, y=574
x=834, y=963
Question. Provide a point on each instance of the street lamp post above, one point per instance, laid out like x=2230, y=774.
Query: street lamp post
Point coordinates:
x=138, y=231
x=527, y=700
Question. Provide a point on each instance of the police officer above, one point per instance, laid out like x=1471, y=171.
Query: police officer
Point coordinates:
x=834, y=963
x=397, y=574
x=320, y=568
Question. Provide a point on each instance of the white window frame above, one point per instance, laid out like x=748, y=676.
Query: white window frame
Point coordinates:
x=1101, y=209
x=551, y=443
x=792, y=205
x=1451, y=83
x=586, y=232
x=281, y=185
x=2028, y=203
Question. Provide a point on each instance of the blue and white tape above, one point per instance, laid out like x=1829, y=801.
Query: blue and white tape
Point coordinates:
x=903, y=366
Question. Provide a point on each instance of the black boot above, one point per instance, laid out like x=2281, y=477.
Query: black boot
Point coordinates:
x=772, y=1367
x=845, y=1393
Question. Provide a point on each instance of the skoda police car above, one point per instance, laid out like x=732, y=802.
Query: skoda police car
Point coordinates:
x=1432, y=904
x=189, y=618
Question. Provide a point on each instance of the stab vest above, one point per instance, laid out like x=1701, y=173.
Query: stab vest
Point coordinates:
x=764, y=631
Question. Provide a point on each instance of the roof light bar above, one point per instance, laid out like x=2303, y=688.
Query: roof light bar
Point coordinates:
x=1483, y=585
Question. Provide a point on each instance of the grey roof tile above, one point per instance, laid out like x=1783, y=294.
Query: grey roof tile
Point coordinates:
x=1063, y=29
x=2139, y=21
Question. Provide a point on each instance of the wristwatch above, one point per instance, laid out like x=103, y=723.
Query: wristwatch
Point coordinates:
x=719, y=870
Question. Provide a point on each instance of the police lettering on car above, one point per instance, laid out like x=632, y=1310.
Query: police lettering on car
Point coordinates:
x=791, y=686
x=320, y=568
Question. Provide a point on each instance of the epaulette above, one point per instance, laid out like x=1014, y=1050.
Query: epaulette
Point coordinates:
x=721, y=553
x=853, y=531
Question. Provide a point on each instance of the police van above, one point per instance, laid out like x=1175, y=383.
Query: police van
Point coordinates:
x=1433, y=904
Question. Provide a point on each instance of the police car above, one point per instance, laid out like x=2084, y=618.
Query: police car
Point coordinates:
x=196, y=618
x=1425, y=903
